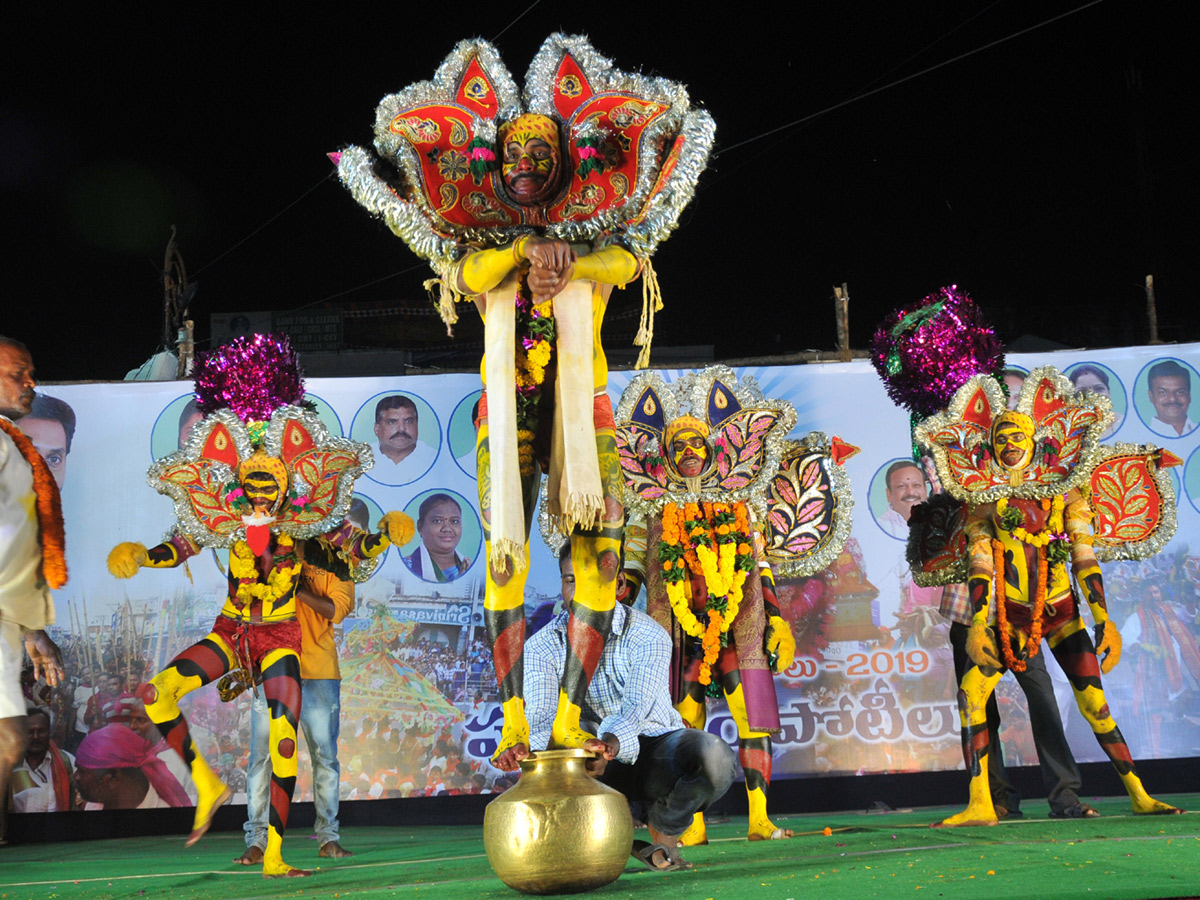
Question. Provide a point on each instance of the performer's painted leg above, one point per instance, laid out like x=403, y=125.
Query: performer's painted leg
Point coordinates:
x=693, y=711
x=977, y=685
x=1073, y=648
x=596, y=562
x=281, y=685
x=193, y=668
x=504, y=618
x=504, y=609
x=754, y=754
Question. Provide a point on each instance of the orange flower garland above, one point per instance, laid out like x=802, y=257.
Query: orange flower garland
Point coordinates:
x=49, y=508
x=690, y=534
x=1049, y=542
x=1039, y=606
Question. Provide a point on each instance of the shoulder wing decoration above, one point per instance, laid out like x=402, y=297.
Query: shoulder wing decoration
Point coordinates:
x=1134, y=501
x=809, y=506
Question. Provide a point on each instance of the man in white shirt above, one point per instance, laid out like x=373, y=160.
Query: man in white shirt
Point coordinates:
x=1170, y=388
x=44, y=781
x=906, y=488
x=402, y=456
x=26, y=607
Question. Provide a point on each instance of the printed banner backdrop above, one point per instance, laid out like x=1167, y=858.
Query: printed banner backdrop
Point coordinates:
x=871, y=691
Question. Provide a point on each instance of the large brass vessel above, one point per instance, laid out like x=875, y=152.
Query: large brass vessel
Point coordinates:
x=558, y=831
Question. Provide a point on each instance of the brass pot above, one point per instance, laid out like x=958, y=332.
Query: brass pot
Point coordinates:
x=558, y=830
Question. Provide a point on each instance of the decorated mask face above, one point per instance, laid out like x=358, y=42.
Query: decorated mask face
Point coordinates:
x=689, y=452
x=264, y=480
x=1012, y=438
x=263, y=491
x=529, y=147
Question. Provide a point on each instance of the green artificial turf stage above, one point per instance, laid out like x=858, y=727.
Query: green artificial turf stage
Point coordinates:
x=866, y=855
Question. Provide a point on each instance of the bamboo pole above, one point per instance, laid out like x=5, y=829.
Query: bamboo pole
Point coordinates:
x=841, y=310
x=1152, y=310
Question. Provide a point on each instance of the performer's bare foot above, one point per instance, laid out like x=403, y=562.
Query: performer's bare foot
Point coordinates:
x=566, y=731
x=283, y=870
x=204, y=815
x=1152, y=807
x=1143, y=803
x=514, y=733
x=967, y=818
x=696, y=833
x=252, y=857
x=333, y=850
x=765, y=830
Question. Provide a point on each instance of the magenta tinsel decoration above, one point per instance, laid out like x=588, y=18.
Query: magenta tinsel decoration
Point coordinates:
x=927, y=351
x=253, y=376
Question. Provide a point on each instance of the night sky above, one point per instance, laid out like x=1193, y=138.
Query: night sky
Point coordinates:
x=1047, y=174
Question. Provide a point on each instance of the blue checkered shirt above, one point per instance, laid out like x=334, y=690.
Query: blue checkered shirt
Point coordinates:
x=956, y=604
x=630, y=693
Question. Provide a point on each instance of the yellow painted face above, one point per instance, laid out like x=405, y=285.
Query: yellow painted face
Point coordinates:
x=531, y=158
x=689, y=452
x=263, y=491
x=1013, y=442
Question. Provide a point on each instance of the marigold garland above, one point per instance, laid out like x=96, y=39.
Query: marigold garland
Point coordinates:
x=49, y=508
x=535, y=333
x=1040, y=541
x=689, y=536
x=280, y=580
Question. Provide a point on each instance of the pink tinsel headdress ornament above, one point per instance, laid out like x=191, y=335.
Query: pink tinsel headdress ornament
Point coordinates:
x=253, y=376
x=927, y=351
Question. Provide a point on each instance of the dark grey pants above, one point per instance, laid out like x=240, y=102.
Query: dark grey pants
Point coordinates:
x=676, y=775
x=1059, y=772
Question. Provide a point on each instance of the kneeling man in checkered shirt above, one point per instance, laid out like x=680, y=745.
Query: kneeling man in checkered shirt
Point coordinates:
x=644, y=751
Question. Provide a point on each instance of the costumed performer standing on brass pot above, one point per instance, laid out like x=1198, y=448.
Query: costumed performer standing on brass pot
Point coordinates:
x=536, y=209
x=260, y=476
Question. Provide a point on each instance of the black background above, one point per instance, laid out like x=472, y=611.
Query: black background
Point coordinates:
x=1047, y=175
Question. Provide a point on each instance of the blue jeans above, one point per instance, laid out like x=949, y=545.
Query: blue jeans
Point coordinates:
x=676, y=775
x=320, y=716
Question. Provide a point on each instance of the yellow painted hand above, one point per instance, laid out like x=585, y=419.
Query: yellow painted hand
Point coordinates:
x=981, y=645
x=1108, y=646
x=781, y=643
x=125, y=559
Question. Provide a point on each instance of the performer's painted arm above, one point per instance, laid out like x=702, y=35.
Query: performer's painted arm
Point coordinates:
x=354, y=545
x=550, y=261
x=125, y=559
x=777, y=636
x=634, y=552
x=981, y=643
x=1077, y=521
x=482, y=270
x=611, y=265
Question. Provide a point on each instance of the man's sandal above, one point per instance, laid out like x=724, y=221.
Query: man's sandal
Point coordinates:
x=644, y=851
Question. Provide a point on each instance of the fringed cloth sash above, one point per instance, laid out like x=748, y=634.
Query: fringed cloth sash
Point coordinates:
x=49, y=508
x=575, y=490
x=500, y=374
